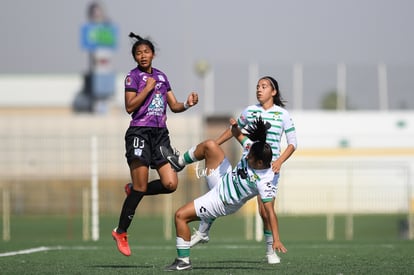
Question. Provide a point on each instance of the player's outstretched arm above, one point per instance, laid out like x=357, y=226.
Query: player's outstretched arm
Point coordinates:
x=178, y=107
x=235, y=130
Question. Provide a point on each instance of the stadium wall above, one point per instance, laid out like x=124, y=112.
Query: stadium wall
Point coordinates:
x=346, y=161
x=358, y=161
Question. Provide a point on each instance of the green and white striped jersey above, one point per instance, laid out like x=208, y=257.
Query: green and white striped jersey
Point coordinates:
x=244, y=183
x=279, y=120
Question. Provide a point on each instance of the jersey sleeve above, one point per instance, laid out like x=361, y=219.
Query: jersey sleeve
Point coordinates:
x=167, y=84
x=130, y=83
x=242, y=119
x=290, y=131
x=246, y=144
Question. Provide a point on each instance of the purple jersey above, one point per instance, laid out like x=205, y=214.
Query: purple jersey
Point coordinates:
x=152, y=113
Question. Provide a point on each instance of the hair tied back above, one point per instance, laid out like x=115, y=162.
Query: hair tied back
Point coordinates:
x=133, y=35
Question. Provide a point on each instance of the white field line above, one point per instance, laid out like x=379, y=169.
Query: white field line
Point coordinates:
x=315, y=246
x=44, y=248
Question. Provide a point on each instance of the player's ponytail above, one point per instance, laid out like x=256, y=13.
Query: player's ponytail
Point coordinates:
x=136, y=36
x=257, y=131
x=140, y=41
x=261, y=150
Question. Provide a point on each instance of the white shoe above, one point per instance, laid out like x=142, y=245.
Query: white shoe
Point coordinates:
x=197, y=238
x=273, y=258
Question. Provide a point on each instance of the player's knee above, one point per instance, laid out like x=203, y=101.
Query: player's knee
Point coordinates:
x=179, y=215
x=210, y=145
x=171, y=185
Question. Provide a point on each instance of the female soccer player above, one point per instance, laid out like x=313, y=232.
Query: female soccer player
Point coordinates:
x=230, y=190
x=271, y=109
x=147, y=94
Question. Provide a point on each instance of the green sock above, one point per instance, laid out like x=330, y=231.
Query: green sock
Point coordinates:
x=188, y=157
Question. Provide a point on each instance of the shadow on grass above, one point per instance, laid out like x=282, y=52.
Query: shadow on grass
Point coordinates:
x=229, y=268
x=232, y=265
x=213, y=265
x=122, y=266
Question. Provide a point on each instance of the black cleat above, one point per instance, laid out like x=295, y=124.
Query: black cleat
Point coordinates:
x=172, y=158
x=179, y=265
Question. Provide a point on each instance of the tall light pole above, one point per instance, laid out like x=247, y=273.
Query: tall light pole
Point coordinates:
x=341, y=87
x=382, y=87
x=298, y=86
x=202, y=68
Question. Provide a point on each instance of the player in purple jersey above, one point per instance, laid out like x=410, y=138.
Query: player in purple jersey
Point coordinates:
x=147, y=94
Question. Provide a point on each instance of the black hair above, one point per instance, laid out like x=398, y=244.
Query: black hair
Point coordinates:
x=257, y=132
x=140, y=41
x=277, y=99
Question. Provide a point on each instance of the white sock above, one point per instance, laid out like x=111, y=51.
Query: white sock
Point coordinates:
x=269, y=243
x=188, y=157
x=182, y=244
x=183, y=249
x=204, y=227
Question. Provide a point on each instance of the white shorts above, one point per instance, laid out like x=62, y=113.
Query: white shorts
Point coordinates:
x=276, y=180
x=214, y=176
x=209, y=206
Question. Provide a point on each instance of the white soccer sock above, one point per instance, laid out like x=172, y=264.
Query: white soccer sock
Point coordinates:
x=183, y=249
x=182, y=244
x=269, y=243
x=188, y=157
x=204, y=227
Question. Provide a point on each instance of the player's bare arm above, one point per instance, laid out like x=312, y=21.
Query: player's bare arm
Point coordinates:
x=178, y=107
x=277, y=164
x=134, y=100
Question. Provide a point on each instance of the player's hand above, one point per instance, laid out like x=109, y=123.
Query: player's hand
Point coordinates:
x=150, y=84
x=192, y=99
x=279, y=247
x=235, y=131
x=276, y=165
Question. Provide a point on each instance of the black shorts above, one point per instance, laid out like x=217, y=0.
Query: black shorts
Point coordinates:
x=144, y=143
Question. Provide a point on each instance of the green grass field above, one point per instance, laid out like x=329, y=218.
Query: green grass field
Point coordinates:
x=57, y=248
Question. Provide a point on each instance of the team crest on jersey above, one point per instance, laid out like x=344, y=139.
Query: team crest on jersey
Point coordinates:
x=156, y=108
x=248, y=146
x=254, y=177
x=128, y=81
x=242, y=118
x=277, y=115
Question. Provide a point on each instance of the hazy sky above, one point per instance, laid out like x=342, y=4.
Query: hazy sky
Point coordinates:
x=42, y=36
